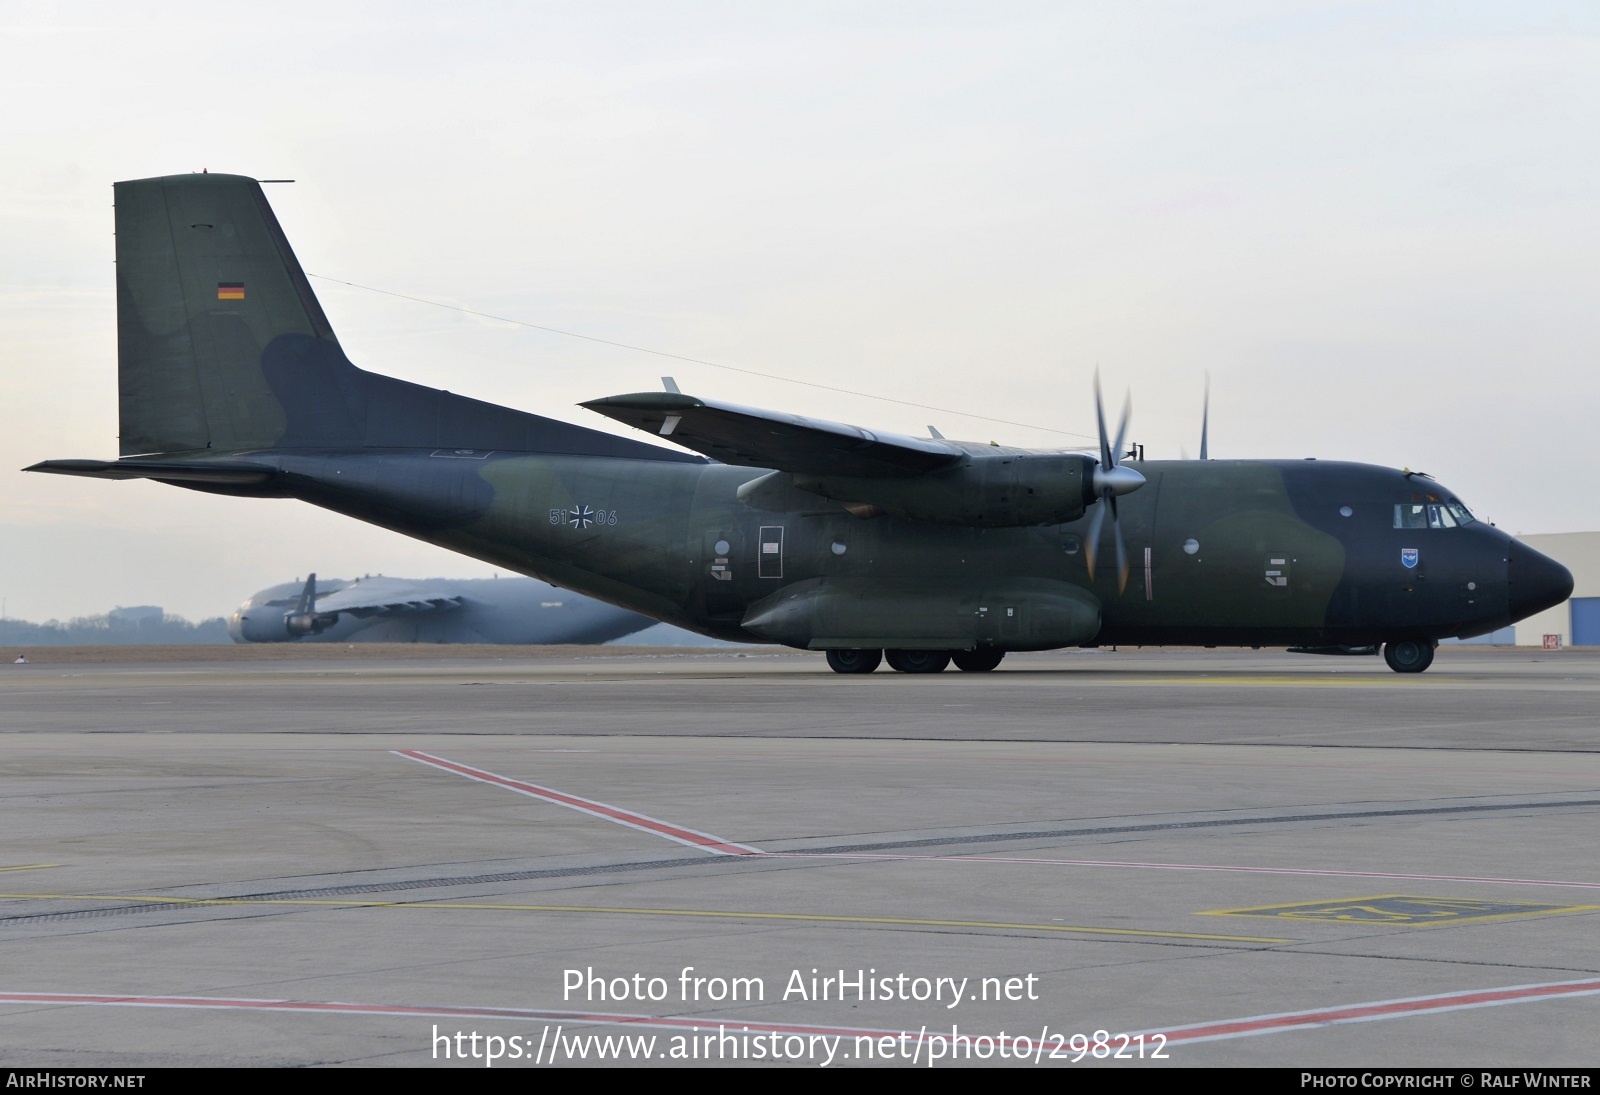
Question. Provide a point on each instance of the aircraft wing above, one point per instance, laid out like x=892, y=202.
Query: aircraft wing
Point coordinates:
x=756, y=438
x=389, y=597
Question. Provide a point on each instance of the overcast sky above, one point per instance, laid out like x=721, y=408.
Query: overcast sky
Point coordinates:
x=1377, y=227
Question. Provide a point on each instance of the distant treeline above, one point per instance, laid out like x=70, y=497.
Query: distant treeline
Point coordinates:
x=111, y=631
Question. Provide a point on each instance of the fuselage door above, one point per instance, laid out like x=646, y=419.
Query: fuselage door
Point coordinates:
x=770, y=564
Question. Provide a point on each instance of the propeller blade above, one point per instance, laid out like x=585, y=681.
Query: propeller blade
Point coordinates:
x=1107, y=459
x=1092, y=542
x=1122, y=429
x=1110, y=480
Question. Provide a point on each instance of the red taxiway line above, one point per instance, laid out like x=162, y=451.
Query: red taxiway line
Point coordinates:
x=692, y=837
x=1381, y=1009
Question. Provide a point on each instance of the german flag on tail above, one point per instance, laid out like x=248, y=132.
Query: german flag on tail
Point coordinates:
x=230, y=290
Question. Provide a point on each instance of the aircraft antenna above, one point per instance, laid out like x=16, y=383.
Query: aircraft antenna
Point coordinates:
x=696, y=360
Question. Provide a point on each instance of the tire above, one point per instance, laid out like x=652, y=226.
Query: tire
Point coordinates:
x=854, y=661
x=917, y=661
x=1409, y=656
x=977, y=661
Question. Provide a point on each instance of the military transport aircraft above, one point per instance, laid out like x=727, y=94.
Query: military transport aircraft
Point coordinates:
x=773, y=527
x=376, y=609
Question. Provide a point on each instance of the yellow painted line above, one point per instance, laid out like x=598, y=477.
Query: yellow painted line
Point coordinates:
x=622, y=911
x=1296, y=682
x=30, y=867
x=1448, y=911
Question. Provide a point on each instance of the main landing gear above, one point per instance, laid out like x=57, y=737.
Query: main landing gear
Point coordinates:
x=917, y=661
x=854, y=661
x=914, y=661
x=1409, y=656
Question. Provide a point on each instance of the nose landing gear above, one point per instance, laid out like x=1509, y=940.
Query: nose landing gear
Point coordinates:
x=977, y=661
x=1409, y=656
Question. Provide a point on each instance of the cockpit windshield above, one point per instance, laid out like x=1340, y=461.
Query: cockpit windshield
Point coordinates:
x=1432, y=514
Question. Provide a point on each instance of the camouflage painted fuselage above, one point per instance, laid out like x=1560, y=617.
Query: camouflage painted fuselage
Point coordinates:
x=1223, y=552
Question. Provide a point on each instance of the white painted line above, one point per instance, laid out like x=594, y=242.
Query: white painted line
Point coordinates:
x=644, y=823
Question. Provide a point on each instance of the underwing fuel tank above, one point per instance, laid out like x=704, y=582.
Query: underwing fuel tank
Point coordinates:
x=849, y=614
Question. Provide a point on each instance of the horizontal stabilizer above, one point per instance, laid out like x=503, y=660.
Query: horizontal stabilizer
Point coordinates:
x=750, y=437
x=234, y=474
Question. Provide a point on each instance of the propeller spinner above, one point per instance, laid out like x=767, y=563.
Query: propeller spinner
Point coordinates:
x=1111, y=480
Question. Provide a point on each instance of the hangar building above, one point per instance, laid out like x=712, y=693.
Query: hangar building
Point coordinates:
x=1576, y=622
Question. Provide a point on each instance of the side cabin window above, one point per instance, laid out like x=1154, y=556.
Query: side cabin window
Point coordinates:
x=1431, y=515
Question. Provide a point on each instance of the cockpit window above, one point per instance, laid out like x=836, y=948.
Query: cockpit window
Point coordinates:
x=1410, y=516
x=1431, y=515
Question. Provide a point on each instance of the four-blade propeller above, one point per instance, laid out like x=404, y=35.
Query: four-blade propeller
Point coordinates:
x=1111, y=480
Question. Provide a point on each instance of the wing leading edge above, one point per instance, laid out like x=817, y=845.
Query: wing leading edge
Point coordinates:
x=387, y=597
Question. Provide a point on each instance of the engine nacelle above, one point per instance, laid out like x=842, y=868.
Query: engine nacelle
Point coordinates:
x=1001, y=491
x=301, y=624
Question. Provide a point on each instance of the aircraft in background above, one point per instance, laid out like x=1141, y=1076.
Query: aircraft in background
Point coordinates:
x=433, y=610
x=774, y=527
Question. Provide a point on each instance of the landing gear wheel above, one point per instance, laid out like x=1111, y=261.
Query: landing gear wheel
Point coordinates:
x=854, y=661
x=917, y=661
x=1408, y=657
x=977, y=661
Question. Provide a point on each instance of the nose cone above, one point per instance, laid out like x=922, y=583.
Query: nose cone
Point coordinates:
x=258, y=625
x=1537, y=581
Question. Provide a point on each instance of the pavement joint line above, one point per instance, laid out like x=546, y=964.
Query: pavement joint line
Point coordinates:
x=1134, y=865
x=719, y=914
x=1161, y=826
x=694, y=838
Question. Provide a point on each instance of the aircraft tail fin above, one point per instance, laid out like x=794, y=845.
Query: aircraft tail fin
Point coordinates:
x=222, y=345
x=308, y=597
x=205, y=281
